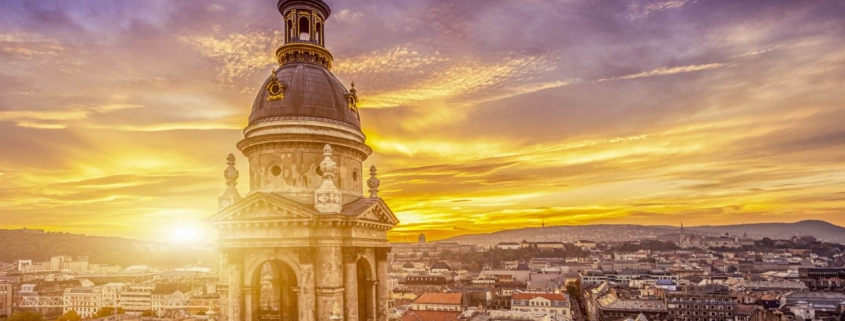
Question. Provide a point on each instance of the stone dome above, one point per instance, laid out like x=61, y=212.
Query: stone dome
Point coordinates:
x=312, y=93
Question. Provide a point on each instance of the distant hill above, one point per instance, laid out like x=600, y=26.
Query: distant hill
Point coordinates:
x=38, y=247
x=569, y=233
x=821, y=230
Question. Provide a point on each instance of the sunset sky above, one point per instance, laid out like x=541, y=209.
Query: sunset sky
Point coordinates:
x=116, y=116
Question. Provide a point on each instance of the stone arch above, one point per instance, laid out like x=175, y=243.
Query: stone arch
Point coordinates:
x=286, y=258
x=271, y=288
x=284, y=299
x=366, y=291
x=369, y=256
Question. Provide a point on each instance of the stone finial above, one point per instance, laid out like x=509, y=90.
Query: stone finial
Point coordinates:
x=373, y=182
x=231, y=173
x=231, y=195
x=327, y=198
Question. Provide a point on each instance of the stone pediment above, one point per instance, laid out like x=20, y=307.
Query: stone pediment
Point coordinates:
x=263, y=207
x=371, y=209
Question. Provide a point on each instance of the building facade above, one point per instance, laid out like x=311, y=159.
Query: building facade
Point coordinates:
x=701, y=303
x=6, y=294
x=553, y=303
x=304, y=243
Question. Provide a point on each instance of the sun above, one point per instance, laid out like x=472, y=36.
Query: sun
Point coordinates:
x=185, y=233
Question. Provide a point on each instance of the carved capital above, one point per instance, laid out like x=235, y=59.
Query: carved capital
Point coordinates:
x=233, y=256
x=305, y=254
x=381, y=253
x=350, y=254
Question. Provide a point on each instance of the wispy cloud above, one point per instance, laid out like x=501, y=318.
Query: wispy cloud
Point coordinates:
x=58, y=119
x=665, y=71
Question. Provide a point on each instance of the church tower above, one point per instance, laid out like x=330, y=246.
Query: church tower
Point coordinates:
x=304, y=243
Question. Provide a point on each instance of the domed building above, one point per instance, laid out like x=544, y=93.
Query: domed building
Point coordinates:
x=305, y=242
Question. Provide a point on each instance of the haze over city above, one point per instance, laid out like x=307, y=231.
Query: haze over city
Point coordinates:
x=116, y=116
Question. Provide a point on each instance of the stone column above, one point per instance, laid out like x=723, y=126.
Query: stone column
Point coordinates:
x=382, y=291
x=328, y=281
x=236, y=283
x=350, y=284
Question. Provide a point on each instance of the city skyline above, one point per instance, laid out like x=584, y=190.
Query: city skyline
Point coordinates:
x=117, y=116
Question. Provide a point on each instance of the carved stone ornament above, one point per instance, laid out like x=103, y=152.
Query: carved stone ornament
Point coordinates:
x=350, y=254
x=275, y=89
x=328, y=199
x=234, y=256
x=381, y=253
x=231, y=195
x=305, y=254
x=373, y=183
x=352, y=98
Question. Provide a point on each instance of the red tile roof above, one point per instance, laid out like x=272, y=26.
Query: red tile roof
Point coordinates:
x=547, y=296
x=440, y=298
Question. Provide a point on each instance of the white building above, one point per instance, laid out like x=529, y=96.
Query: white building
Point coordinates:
x=136, y=299
x=554, y=303
x=84, y=300
x=508, y=246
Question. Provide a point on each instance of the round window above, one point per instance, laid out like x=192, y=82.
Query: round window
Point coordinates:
x=276, y=170
x=275, y=88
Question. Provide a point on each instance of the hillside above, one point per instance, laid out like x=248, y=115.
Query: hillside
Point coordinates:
x=820, y=229
x=38, y=247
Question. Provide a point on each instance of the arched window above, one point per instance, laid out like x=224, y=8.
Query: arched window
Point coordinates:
x=318, y=33
x=304, y=29
x=290, y=34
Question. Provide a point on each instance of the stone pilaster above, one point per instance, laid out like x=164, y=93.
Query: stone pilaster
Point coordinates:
x=350, y=283
x=236, y=282
x=307, y=289
x=329, y=281
x=382, y=290
x=250, y=295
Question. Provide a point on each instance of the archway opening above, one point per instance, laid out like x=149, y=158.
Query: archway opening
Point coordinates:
x=275, y=287
x=318, y=33
x=289, y=35
x=304, y=29
x=366, y=291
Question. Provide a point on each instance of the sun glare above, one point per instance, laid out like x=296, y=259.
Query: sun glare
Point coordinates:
x=185, y=233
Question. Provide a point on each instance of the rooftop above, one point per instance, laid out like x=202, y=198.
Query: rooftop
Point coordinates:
x=530, y=296
x=440, y=298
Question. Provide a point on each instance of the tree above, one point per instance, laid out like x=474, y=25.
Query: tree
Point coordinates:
x=26, y=316
x=70, y=316
x=107, y=312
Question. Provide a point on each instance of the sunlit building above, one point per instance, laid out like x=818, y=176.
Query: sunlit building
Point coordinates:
x=556, y=304
x=305, y=217
x=84, y=300
x=136, y=299
x=6, y=294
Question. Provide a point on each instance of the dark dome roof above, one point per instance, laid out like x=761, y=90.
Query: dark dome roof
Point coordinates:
x=312, y=93
x=283, y=5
